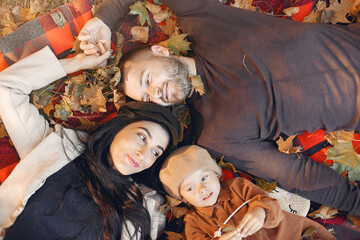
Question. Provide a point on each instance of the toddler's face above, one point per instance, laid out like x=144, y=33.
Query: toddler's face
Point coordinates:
x=201, y=188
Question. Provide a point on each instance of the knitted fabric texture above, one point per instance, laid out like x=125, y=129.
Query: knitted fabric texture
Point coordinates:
x=183, y=162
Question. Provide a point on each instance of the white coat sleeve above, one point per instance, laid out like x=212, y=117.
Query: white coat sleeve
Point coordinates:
x=25, y=126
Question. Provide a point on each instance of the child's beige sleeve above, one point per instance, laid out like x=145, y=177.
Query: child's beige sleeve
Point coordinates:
x=258, y=198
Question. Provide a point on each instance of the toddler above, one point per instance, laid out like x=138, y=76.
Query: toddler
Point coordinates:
x=236, y=206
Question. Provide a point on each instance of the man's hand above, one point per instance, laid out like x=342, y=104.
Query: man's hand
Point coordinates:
x=94, y=32
x=252, y=222
x=83, y=61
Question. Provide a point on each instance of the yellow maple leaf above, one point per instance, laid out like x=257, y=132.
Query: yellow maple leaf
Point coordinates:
x=197, y=84
x=344, y=153
x=287, y=145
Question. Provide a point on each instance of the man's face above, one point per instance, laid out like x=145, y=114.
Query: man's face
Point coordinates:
x=159, y=79
x=201, y=188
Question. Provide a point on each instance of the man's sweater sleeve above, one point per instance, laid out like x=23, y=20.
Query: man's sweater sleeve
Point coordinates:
x=112, y=12
x=258, y=198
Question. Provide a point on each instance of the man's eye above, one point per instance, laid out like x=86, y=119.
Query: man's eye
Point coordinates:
x=190, y=189
x=142, y=137
x=204, y=178
x=148, y=79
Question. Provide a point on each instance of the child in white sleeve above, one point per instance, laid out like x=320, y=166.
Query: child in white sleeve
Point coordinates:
x=191, y=175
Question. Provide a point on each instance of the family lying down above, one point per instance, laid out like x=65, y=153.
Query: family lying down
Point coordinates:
x=107, y=185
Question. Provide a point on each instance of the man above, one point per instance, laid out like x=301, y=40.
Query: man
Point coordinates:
x=264, y=76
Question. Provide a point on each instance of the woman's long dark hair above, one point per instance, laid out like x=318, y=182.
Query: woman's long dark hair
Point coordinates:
x=116, y=195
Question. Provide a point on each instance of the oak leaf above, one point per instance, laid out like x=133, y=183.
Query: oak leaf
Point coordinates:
x=324, y=212
x=140, y=33
x=139, y=8
x=287, y=145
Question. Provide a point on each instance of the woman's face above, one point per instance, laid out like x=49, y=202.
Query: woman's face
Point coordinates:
x=137, y=146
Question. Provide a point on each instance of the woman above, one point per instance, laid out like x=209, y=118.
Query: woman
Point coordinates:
x=94, y=196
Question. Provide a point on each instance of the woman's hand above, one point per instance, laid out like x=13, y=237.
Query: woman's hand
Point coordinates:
x=252, y=222
x=83, y=61
x=94, y=32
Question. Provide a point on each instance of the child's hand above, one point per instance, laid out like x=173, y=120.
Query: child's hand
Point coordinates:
x=233, y=235
x=252, y=222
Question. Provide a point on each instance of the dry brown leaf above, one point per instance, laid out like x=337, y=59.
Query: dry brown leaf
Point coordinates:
x=314, y=16
x=340, y=10
x=153, y=8
x=76, y=46
x=140, y=33
x=178, y=212
x=173, y=202
x=159, y=14
x=339, y=136
x=291, y=11
x=354, y=219
x=287, y=145
x=35, y=9
x=3, y=132
x=227, y=165
x=119, y=99
x=356, y=6
x=244, y=4
x=120, y=39
x=93, y=97
x=169, y=27
x=324, y=212
x=174, y=236
x=87, y=125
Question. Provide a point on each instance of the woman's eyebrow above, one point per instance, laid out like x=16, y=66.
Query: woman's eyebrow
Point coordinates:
x=147, y=132
x=150, y=136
